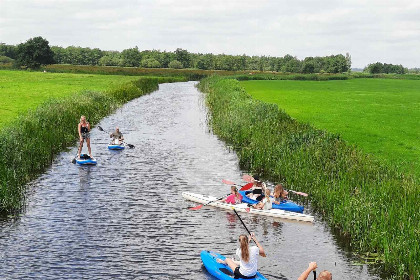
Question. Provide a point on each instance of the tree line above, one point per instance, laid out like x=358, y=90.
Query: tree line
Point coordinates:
x=36, y=52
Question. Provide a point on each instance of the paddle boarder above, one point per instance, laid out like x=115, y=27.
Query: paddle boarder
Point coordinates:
x=84, y=134
x=324, y=275
x=117, y=136
x=247, y=266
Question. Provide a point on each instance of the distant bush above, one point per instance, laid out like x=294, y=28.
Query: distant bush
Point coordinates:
x=175, y=64
x=379, y=68
x=150, y=63
x=6, y=60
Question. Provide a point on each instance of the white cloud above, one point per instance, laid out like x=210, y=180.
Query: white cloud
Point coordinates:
x=370, y=31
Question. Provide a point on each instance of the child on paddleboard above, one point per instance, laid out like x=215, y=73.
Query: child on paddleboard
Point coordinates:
x=324, y=275
x=265, y=203
x=247, y=266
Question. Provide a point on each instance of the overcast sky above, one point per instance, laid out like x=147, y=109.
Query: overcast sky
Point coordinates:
x=370, y=30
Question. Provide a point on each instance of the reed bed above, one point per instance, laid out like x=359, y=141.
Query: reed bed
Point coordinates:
x=374, y=205
x=30, y=143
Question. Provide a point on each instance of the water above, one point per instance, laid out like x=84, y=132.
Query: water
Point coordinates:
x=126, y=219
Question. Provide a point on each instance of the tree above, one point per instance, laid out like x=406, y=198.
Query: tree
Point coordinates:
x=175, y=64
x=184, y=57
x=150, y=63
x=34, y=53
x=131, y=57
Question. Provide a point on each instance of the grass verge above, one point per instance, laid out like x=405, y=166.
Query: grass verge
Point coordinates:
x=375, y=206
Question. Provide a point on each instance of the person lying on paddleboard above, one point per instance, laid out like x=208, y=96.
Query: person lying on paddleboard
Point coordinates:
x=265, y=203
x=324, y=275
x=279, y=194
x=84, y=134
x=234, y=198
x=247, y=266
x=117, y=137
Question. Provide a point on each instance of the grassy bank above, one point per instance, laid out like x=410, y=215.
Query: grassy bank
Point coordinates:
x=378, y=115
x=30, y=142
x=375, y=206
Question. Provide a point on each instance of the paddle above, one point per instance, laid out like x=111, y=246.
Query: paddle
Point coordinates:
x=198, y=207
x=244, y=188
x=314, y=272
x=249, y=178
x=245, y=226
x=129, y=145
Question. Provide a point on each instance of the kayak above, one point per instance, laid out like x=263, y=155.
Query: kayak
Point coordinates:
x=218, y=270
x=243, y=207
x=284, y=205
x=116, y=147
x=85, y=160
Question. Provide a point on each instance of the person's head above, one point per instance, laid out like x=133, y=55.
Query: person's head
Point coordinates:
x=278, y=190
x=243, y=241
x=324, y=275
x=267, y=194
x=83, y=119
x=233, y=190
x=117, y=129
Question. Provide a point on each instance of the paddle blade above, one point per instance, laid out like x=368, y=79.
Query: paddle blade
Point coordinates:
x=248, y=178
x=100, y=128
x=130, y=146
x=73, y=161
x=198, y=207
x=299, y=193
x=228, y=182
x=247, y=187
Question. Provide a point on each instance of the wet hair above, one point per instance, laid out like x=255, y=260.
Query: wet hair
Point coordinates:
x=325, y=275
x=243, y=240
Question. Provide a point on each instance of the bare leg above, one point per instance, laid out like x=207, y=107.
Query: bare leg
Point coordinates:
x=229, y=262
x=80, y=148
x=88, y=145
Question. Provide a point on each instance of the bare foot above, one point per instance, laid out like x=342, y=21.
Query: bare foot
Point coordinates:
x=220, y=261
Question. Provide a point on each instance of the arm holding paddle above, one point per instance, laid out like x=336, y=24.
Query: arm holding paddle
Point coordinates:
x=262, y=253
x=312, y=267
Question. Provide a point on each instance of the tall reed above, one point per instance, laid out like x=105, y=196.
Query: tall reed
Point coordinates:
x=29, y=144
x=374, y=205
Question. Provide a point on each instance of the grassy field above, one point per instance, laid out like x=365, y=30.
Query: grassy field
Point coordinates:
x=381, y=116
x=20, y=91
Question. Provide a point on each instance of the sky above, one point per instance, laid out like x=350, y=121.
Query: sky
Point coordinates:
x=369, y=30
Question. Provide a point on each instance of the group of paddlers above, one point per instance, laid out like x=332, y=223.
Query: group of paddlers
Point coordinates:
x=246, y=267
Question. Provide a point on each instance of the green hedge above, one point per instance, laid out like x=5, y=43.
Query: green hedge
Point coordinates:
x=30, y=143
x=374, y=205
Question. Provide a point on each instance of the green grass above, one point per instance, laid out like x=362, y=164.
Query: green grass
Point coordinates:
x=381, y=116
x=376, y=206
x=21, y=90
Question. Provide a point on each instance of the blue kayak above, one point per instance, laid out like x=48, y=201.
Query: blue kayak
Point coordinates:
x=218, y=270
x=116, y=147
x=85, y=160
x=284, y=205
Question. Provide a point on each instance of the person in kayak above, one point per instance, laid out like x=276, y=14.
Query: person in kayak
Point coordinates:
x=247, y=266
x=324, y=275
x=84, y=134
x=265, y=203
x=117, y=137
x=234, y=198
x=279, y=194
